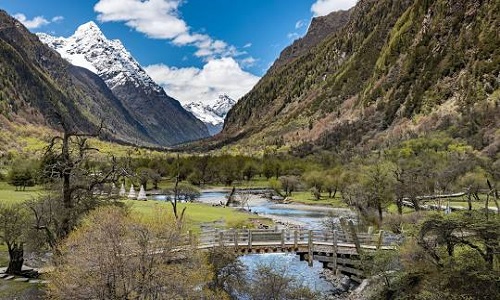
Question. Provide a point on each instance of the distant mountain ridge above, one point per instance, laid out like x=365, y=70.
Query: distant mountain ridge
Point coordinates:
x=394, y=70
x=212, y=115
x=163, y=118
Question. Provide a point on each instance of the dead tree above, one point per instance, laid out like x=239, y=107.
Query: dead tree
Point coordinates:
x=65, y=166
x=178, y=217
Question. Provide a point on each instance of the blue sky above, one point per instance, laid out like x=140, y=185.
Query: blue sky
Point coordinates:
x=196, y=49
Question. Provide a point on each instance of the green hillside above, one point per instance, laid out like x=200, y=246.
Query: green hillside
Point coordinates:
x=396, y=70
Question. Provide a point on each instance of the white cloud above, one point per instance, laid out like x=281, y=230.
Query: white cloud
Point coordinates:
x=218, y=76
x=293, y=35
x=247, y=62
x=247, y=45
x=160, y=19
x=324, y=7
x=37, y=21
x=155, y=18
x=300, y=24
x=33, y=23
x=57, y=19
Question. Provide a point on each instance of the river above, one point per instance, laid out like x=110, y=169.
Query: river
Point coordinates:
x=311, y=217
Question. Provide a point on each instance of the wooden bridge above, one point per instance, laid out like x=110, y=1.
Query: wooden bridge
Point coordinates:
x=336, y=250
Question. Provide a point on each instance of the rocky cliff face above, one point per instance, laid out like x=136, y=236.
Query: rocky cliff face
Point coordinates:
x=163, y=117
x=319, y=29
x=396, y=69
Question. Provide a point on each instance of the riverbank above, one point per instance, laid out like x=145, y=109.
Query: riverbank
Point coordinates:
x=285, y=215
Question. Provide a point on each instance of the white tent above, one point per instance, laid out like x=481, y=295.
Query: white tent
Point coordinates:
x=132, y=194
x=142, y=194
x=122, y=192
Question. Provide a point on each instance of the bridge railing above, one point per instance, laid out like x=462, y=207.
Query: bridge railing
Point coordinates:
x=249, y=237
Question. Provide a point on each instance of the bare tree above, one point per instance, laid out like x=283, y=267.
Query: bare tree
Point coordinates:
x=116, y=256
x=289, y=184
x=74, y=185
x=276, y=283
x=244, y=199
x=228, y=271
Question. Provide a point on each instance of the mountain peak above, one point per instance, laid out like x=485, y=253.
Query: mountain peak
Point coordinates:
x=89, y=29
x=223, y=105
x=212, y=115
x=88, y=47
x=162, y=116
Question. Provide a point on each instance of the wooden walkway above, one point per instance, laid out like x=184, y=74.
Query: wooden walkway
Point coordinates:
x=335, y=250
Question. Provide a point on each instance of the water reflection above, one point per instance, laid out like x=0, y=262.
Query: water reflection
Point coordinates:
x=292, y=266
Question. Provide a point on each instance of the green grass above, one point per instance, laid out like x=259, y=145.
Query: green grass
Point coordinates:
x=393, y=209
x=306, y=197
x=475, y=204
x=4, y=255
x=8, y=193
x=196, y=213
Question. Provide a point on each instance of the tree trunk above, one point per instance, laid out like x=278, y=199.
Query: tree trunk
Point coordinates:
x=415, y=203
x=380, y=212
x=16, y=259
x=489, y=256
x=496, y=201
x=469, y=199
x=66, y=188
x=399, y=204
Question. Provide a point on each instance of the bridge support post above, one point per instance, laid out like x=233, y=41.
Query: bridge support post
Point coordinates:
x=355, y=239
x=249, y=239
x=282, y=238
x=295, y=239
x=221, y=238
x=334, y=254
x=310, y=248
x=235, y=237
x=380, y=239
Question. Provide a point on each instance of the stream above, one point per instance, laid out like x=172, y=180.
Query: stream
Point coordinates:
x=285, y=214
x=298, y=215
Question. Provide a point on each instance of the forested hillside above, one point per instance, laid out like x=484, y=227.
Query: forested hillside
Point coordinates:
x=396, y=70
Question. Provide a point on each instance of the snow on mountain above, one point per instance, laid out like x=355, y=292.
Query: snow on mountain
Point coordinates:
x=212, y=115
x=162, y=117
x=204, y=113
x=223, y=105
x=90, y=49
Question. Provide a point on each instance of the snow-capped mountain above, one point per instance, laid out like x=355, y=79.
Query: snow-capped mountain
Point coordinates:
x=163, y=117
x=90, y=49
x=212, y=115
x=223, y=105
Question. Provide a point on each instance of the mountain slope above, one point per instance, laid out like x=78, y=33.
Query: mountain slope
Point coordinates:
x=212, y=115
x=319, y=29
x=162, y=116
x=38, y=87
x=396, y=69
